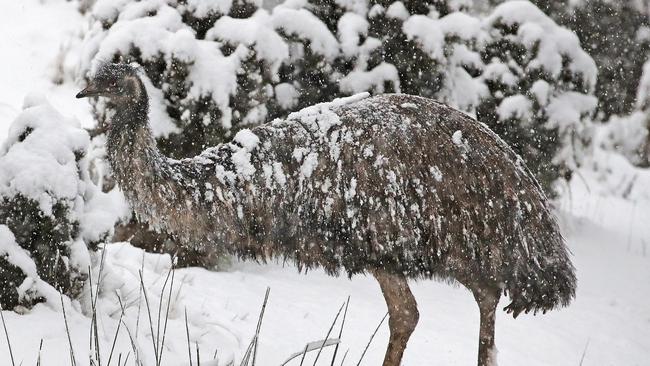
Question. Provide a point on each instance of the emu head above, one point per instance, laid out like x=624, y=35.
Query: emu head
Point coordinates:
x=119, y=82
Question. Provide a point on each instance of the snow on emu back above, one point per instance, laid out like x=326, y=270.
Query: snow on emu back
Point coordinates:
x=398, y=186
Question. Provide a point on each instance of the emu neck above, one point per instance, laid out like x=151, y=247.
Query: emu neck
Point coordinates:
x=161, y=191
x=132, y=152
x=130, y=139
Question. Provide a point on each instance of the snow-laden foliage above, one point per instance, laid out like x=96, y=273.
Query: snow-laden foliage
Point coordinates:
x=616, y=33
x=516, y=69
x=541, y=86
x=215, y=67
x=199, y=88
x=50, y=208
x=628, y=134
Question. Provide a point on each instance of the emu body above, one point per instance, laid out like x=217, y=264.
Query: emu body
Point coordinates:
x=397, y=186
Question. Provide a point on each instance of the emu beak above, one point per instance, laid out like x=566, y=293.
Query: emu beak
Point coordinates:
x=89, y=91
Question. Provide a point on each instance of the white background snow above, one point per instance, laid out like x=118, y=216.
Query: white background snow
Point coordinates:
x=607, y=324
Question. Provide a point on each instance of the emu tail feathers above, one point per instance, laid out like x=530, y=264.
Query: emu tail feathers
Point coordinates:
x=541, y=282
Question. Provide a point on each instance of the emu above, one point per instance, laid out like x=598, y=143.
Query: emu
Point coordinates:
x=396, y=186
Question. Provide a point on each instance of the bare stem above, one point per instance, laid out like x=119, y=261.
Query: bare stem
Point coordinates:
x=328, y=333
x=187, y=331
x=4, y=325
x=73, y=360
x=259, y=324
x=146, y=300
x=336, y=348
x=169, y=300
x=371, y=337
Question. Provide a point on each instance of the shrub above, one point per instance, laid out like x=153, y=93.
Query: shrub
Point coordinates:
x=51, y=211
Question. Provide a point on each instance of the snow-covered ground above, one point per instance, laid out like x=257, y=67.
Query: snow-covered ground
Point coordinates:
x=607, y=324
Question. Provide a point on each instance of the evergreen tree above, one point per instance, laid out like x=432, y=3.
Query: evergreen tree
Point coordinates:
x=619, y=54
x=540, y=84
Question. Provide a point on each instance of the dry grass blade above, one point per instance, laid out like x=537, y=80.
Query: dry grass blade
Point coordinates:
x=252, y=346
x=259, y=324
x=92, y=319
x=187, y=332
x=4, y=325
x=117, y=332
x=304, y=354
x=137, y=320
x=133, y=346
x=161, y=348
x=73, y=360
x=94, y=331
x=40, y=349
x=345, y=313
x=146, y=300
x=584, y=352
x=371, y=338
x=249, y=352
x=328, y=333
x=344, y=356
x=160, y=302
x=126, y=359
x=309, y=347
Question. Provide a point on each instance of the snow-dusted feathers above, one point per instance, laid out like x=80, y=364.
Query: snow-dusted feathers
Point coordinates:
x=393, y=182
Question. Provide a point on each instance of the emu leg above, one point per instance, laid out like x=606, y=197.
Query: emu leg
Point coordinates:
x=403, y=314
x=487, y=299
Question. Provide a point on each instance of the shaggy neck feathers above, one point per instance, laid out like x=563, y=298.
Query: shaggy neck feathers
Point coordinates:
x=130, y=138
x=135, y=158
x=168, y=194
